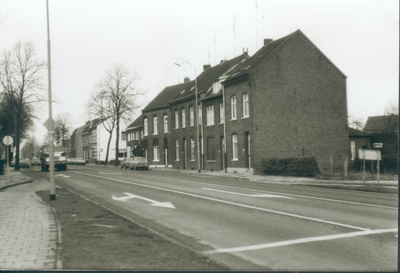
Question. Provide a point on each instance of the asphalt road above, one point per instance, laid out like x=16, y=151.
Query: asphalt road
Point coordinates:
x=249, y=225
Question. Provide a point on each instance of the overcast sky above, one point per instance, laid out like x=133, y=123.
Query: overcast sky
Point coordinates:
x=361, y=37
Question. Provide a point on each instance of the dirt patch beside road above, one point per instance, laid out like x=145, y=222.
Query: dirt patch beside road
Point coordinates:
x=95, y=238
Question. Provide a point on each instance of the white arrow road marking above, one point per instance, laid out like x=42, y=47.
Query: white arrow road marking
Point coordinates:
x=250, y=195
x=110, y=173
x=153, y=202
x=61, y=175
x=300, y=241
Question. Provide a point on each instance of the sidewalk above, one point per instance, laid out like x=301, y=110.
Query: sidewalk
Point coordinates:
x=286, y=179
x=28, y=230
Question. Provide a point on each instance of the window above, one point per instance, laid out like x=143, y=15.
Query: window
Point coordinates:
x=176, y=119
x=142, y=133
x=123, y=136
x=210, y=115
x=210, y=149
x=183, y=118
x=165, y=124
x=234, y=147
x=216, y=87
x=177, y=149
x=146, y=128
x=191, y=149
x=233, y=107
x=137, y=135
x=246, y=112
x=200, y=115
x=191, y=114
x=132, y=136
x=155, y=129
x=221, y=112
x=353, y=149
x=156, y=150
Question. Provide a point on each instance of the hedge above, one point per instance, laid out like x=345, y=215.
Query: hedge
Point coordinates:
x=304, y=166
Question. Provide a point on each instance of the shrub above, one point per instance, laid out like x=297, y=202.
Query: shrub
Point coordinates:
x=304, y=166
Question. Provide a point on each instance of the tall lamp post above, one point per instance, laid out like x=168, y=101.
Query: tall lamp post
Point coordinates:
x=197, y=111
x=50, y=128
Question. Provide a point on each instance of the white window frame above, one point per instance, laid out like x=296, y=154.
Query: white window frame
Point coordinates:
x=137, y=135
x=235, y=149
x=183, y=118
x=176, y=119
x=155, y=126
x=191, y=149
x=210, y=115
x=165, y=124
x=233, y=108
x=177, y=150
x=146, y=127
x=191, y=115
x=200, y=115
x=156, y=150
x=353, y=149
x=246, y=109
x=221, y=113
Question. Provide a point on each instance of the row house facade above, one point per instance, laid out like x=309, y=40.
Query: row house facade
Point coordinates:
x=90, y=142
x=287, y=100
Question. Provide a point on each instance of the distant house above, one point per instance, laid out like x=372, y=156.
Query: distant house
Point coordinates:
x=287, y=100
x=358, y=140
x=384, y=131
x=90, y=142
x=76, y=142
x=133, y=137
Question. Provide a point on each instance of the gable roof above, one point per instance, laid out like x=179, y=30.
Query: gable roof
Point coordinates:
x=138, y=122
x=207, y=77
x=91, y=124
x=161, y=100
x=357, y=133
x=265, y=52
x=381, y=124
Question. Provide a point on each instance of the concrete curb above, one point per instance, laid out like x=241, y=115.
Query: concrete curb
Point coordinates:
x=16, y=184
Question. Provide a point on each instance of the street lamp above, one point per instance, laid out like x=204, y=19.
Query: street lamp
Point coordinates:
x=197, y=111
x=51, y=132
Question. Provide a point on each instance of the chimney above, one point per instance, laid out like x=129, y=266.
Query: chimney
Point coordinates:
x=206, y=66
x=186, y=79
x=267, y=41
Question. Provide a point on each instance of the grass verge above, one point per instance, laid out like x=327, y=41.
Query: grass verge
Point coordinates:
x=95, y=238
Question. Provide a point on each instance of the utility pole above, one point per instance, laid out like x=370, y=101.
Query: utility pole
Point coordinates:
x=51, y=132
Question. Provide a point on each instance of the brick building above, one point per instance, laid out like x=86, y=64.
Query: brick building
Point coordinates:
x=287, y=100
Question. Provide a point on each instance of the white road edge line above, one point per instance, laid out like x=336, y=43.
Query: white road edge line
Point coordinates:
x=299, y=241
x=289, y=194
x=232, y=203
x=249, y=195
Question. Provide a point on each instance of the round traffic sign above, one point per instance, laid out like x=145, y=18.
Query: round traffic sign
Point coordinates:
x=7, y=140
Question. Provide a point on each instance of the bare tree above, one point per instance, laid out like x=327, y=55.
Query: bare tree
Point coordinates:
x=392, y=107
x=115, y=98
x=30, y=148
x=356, y=122
x=62, y=131
x=20, y=79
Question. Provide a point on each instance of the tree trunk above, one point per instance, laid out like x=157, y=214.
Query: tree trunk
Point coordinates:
x=108, y=148
x=117, y=143
x=17, y=137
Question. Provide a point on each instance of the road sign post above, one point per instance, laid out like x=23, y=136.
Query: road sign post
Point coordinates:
x=7, y=140
x=370, y=155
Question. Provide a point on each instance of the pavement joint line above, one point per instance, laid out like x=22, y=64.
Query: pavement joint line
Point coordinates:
x=299, y=241
x=233, y=203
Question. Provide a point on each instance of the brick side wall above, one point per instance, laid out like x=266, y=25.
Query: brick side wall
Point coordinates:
x=298, y=107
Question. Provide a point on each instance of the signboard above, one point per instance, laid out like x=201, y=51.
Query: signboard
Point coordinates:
x=377, y=145
x=49, y=122
x=369, y=154
x=7, y=140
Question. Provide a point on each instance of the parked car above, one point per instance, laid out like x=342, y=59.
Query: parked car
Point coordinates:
x=80, y=161
x=35, y=161
x=25, y=163
x=125, y=162
x=69, y=160
x=139, y=163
